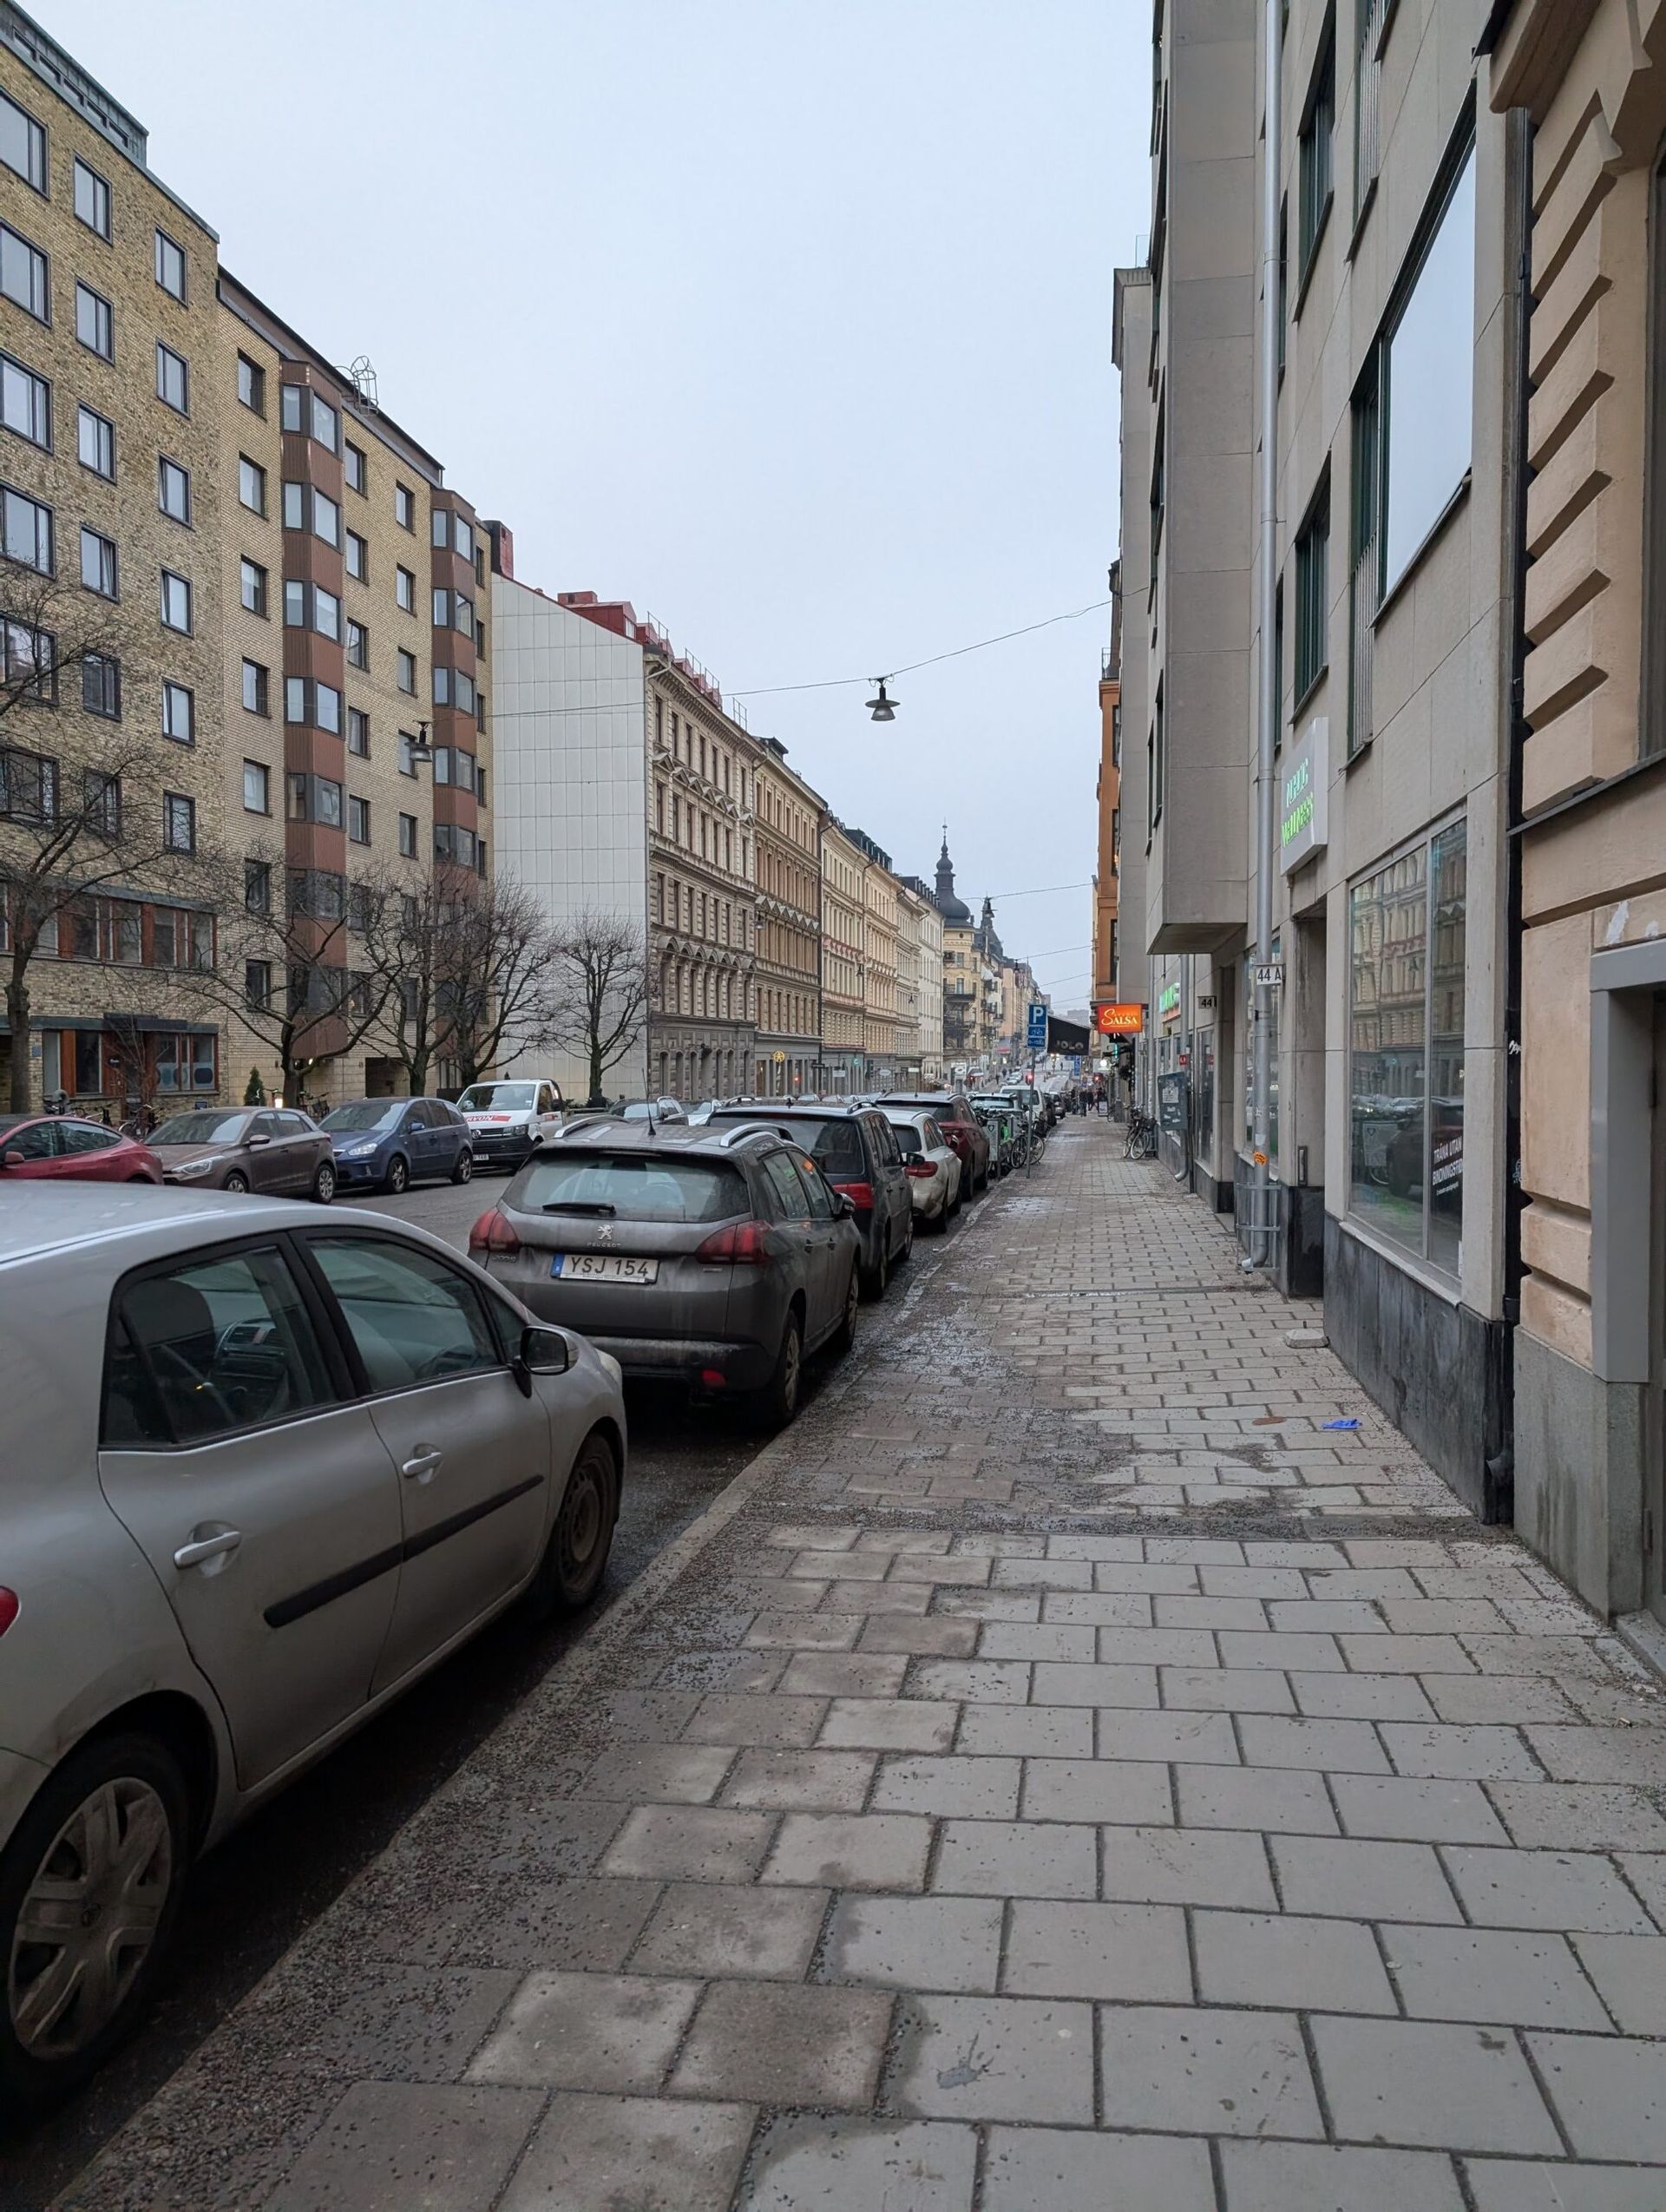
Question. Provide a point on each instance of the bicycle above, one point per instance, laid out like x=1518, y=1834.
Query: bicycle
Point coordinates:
x=1141, y=1141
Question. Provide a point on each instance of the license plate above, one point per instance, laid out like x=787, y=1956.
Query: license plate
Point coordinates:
x=602, y=1267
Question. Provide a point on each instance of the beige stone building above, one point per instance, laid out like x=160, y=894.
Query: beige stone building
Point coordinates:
x=919, y=985
x=878, y=964
x=961, y=989
x=789, y=963
x=843, y=1066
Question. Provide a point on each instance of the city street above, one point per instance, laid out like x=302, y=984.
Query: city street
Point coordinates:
x=1088, y=1760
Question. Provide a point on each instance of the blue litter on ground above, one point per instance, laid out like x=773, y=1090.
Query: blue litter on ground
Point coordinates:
x=1341, y=1424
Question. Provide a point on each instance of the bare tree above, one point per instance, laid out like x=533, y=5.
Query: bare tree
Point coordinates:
x=602, y=999
x=413, y=930
x=81, y=803
x=502, y=995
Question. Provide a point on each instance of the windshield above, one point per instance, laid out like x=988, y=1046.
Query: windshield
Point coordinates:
x=497, y=1097
x=201, y=1129
x=636, y=1189
x=367, y=1113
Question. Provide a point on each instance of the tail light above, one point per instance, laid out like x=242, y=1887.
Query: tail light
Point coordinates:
x=9, y=1608
x=861, y=1195
x=493, y=1233
x=743, y=1244
x=921, y=1169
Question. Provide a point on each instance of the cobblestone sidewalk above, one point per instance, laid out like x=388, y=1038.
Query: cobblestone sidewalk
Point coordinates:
x=1063, y=1775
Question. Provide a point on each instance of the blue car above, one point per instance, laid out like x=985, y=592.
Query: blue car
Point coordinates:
x=387, y=1144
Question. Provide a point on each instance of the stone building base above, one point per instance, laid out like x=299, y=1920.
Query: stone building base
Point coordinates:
x=1579, y=1475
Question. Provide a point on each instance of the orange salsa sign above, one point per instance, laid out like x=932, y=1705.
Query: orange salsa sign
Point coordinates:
x=1121, y=1021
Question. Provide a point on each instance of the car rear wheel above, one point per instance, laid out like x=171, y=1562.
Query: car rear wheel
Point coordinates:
x=324, y=1183
x=875, y=1278
x=844, y=1335
x=90, y=1889
x=235, y=1181
x=465, y=1166
x=398, y=1175
x=778, y=1401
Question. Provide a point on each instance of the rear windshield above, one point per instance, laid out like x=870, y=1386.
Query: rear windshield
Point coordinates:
x=908, y=1138
x=497, y=1097
x=369, y=1113
x=836, y=1147
x=201, y=1129
x=637, y=1188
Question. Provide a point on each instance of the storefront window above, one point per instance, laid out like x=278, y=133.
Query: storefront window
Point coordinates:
x=1406, y=1049
x=1203, y=1094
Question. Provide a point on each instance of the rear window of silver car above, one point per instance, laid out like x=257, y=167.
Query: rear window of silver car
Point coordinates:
x=637, y=1186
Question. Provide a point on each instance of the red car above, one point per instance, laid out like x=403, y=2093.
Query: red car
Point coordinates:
x=56, y=1143
x=965, y=1132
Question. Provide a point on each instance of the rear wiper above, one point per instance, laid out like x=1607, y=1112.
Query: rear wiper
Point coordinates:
x=581, y=1206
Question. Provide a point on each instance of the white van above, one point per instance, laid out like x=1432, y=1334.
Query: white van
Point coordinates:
x=509, y=1117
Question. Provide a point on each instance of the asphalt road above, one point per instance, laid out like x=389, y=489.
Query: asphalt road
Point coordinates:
x=250, y=1900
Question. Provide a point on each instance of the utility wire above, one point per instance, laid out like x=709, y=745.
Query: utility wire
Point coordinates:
x=843, y=683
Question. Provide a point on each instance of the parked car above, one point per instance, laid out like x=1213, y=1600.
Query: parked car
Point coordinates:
x=264, y=1472
x=37, y=1147
x=855, y=1148
x=952, y=1112
x=508, y=1120
x=386, y=1144
x=720, y=1257
x=666, y=1109
x=273, y=1150
x=931, y=1165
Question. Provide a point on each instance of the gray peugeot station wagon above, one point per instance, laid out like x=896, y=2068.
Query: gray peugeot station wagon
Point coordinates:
x=264, y=1468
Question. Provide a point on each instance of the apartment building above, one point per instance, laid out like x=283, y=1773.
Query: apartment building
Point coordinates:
x=919, y=985
x=960, y=993
x=1385, y=627
x=844, y=925
x=1107, y=794
x=878, y=962
x=789, y=959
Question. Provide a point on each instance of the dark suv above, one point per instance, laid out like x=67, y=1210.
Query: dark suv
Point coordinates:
x=857, y=1150
x=953, y=1113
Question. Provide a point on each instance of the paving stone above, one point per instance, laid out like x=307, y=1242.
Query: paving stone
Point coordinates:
x=958, y=1573
x=1259, y=1582
x=1529, y=1979
x=593, y=2154
x=1610, y=2094
x=1226, y=1689
x=723, y=1670
x=994, y=2058
x=837, y=1537
x=1186, y=1867
x=1098, y=1608
x=736, y=1718
x=1324, y=1617
x=1199, y=1739
x=931, y=1636
x=1627, y=1755
x=983, y=1789
x=388, y=2146
x=1283, y=1959
x=779, y=1781
x=1304, y=2177
x=1136, y=1952
x=1096, y=1789
x=988, y=1604
x=1577, y=1816
x=888, y=1724
x=670, y=1774
x=1278, y=1800
x=707, y=1928
x=1347, y=1747
x=1514, y=2185
x=1123, y=1577
x=803, y=1632
x=1442, y=1616
x=927, y=1541
x=932, y=1943
x=1038, y=1731
x=1544, y=1889
x=1041, y=1574
x=809, y=2163
x=1629, y=1973
x=1209, y=1612
x=1358, y=1881
x=770, y=2043
x=1060, y=1683
x=582, y=1921
x=1157, y=1647
x=1055, y=2170
x=1646, y=1871
x=911, y=1600
x=1505, y=1700
x=1193, y=1551
x=840, y=1674
x=1457, y=1753
x=410, y=2022
x=547, y=1835
x=690, y=1843
x=978, y=1681
x=1419, y=1812
x=1422, y=2081
x=1016, y=1859
x=1406, y=1655
x=774, y=1593
x=600, y=2031
x=1566, y=1658
x=1354, y=1583
x=1119, y=1551
x=851, y=1850
x=1203, y=2071
x=1035, y=1640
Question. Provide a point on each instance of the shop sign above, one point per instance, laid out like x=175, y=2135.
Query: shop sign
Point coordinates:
x=1125, y=1019
x=1168, y=1004
x=1304, y=787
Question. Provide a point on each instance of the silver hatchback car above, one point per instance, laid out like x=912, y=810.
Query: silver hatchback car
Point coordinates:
x=263, y=1470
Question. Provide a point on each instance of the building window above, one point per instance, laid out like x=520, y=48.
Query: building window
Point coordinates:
x=250, y=384
x=170, y=265
x=1368, y=82
x=408, y=836
x=257, y=984
x=309, y=702
x=98, y=571
x=358, y=645
x=179, y=714
x=26, y=530
x=1427, y=382
x=357, y=558
x=256, y=688
x=292, y=409
x=326, y=518
x=95, y=442
x=252, y=586
x=23, y=143
x=323, y=422
x=407, y=670
x=102, y=810
x=358, y=732
x=95, y=322
x=354, y=468
x=407, y=753
x=1315, y=157
x=172, y=379
x=256, y=884
x=294, y=505
x=1312, y=607
x=173, y=489
x=25, y=277
x=176, y=601
x=1405, y=1049
x=404, y=507
x=257, y=788
x=25, y=403
x=1364, y=553
x=92, y=199
x=251, y=484
x=101, y=686
x=404, y=589
x=358, y=821
x=1160, y=492
x=179, y=822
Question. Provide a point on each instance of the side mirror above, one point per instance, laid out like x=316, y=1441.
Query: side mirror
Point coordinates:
x=845, y=1207
x=13, y=1158
x=261, y=1138
x=545, y=1351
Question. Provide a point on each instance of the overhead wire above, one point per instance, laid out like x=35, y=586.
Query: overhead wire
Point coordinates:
x=843, y=683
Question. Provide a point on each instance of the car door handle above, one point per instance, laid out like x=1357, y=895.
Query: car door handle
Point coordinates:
x=203, y=1548
x=422, y=1463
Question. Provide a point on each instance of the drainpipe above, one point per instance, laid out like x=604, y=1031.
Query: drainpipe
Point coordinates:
x=1267, y=721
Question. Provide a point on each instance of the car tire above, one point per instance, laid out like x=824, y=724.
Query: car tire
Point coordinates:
x=907, y=1252
x=875, y=1278
x=575, y=1558
x=139, y=1780
x=464, y=1171
x=235, y=1181
x=397, y=1178
x=324, y=1183
x=777, y=1403
x=845, y=1336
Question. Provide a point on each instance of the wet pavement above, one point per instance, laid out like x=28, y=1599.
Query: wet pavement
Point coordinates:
x=1064, y=1772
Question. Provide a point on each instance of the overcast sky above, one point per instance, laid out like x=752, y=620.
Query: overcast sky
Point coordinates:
x=787, y=320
